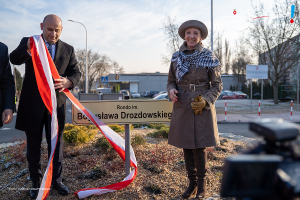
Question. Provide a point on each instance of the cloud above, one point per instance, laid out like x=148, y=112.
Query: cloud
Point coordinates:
x=127, y=31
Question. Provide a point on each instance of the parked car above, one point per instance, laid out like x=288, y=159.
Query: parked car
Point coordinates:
x=162, y=96
x=159, y=93
x=224, y=92
x=241, y=94
x=135, y=95
x=230, y=96
x=125, y=92
x=256, y=95
x=150, y=93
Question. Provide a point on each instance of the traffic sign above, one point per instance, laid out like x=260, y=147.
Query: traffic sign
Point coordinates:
x=257, y=71
x=104, y=79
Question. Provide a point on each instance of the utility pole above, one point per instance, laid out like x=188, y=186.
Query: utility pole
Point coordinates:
x=15, y=78
x=212, y=27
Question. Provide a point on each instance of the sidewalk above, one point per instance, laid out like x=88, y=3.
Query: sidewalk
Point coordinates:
x=245, y=118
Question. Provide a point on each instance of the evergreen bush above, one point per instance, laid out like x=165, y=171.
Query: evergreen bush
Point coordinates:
x=78, y=134
x=103, y=143
x=161, y=133
x=138, y=140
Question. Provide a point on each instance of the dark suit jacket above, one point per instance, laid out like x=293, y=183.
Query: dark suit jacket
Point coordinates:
x=31, y=106
x=7, y=83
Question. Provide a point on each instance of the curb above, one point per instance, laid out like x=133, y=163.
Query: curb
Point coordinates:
x=228, y=122
x=5, y=145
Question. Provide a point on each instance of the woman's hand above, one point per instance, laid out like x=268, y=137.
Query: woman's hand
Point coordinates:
x=173, y=96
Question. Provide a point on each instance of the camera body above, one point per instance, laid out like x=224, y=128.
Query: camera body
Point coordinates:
x=271, y=170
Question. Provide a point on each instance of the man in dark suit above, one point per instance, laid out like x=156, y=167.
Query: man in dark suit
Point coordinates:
x=7, y=87
x=32, y=113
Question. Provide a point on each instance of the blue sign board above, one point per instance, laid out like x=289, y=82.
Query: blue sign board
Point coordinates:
x=104, y=79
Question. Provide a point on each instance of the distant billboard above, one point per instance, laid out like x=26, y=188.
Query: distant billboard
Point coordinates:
x=256, y=71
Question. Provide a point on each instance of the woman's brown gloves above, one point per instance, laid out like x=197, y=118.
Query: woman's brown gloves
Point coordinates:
x=198, y=104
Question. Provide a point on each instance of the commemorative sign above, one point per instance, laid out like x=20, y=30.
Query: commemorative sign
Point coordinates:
x=256, y=71
x=125, y=111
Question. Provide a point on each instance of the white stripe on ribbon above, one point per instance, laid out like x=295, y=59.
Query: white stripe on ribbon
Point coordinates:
x=40, y=46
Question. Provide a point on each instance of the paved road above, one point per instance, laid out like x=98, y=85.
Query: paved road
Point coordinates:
x=237, y=129
x=243, y=102
x=8, y=131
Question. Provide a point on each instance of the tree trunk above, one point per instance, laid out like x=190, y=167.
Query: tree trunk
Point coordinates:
x=275, y=87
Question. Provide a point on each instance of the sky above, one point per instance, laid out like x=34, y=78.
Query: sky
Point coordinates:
x=129, y=32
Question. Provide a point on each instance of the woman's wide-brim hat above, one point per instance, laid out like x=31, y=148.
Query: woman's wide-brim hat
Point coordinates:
x=193, y=24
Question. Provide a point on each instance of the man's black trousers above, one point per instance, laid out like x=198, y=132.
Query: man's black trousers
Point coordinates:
x=34, y=151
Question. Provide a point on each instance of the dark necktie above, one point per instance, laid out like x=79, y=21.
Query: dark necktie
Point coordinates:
x=50, y=49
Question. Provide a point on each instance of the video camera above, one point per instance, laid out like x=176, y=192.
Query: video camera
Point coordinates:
x=269, y=171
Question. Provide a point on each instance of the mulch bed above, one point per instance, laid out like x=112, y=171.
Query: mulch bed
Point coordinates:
x=161, y=170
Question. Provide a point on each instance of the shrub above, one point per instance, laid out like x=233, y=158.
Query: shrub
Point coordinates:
x=138, y=140
x=152, y=188
x=118, y=128
x=78, y=134
x=161, y=133
x=68, y=126
x=158, y=126
x=103, y=143
x=91, y=127
x=138, y=125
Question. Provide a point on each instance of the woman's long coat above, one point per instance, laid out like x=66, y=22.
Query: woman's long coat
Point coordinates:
x=187, y=130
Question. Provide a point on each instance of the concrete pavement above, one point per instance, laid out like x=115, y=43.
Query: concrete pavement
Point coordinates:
x=250, y=117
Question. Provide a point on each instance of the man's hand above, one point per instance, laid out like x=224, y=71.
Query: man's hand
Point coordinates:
x=28, y=46
x=62, y=83
x=7, y=116
x=173, y=96
x=198, y=104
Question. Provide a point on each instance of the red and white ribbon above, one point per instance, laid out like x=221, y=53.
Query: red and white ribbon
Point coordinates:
x=225, y=110
x=45, y=70
x=291, y=109
x=258, y=109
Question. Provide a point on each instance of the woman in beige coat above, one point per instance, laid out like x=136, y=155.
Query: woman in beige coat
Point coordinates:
x=194, y=84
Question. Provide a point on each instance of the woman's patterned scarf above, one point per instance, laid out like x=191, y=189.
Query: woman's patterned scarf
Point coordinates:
x=203, y=59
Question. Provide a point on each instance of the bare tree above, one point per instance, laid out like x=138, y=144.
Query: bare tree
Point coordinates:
x=116, y=68
x=241, y=59
x=276, y=40
x=218, y=49
x=227, y=59
x=98, y=65
x=173, y=39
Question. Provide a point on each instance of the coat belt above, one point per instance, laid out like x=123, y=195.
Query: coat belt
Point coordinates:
x=193, y=87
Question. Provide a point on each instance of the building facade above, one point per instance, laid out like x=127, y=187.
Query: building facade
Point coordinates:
x=142, y=82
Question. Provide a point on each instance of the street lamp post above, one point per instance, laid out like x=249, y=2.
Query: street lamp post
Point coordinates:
x=86, y=62
x=212, y=28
